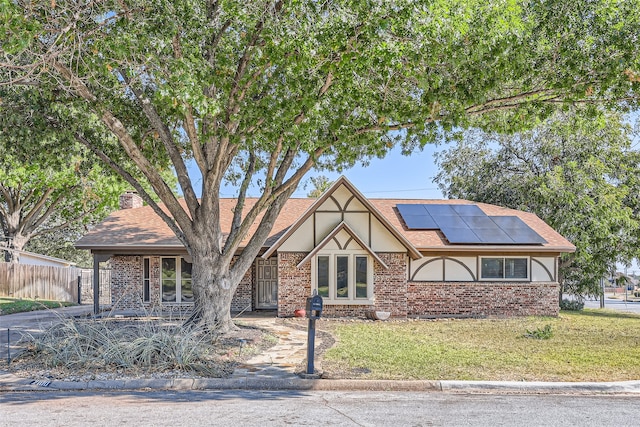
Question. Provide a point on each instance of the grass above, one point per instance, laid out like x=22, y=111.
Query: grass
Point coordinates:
x=19, y=305
x=592, y=345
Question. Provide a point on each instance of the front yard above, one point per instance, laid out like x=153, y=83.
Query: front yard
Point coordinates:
x=19, y=305
x=592, y=345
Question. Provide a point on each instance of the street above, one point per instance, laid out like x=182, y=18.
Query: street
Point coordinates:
x=264, y=408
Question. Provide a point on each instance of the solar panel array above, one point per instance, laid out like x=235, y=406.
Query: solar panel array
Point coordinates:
x=468, y=224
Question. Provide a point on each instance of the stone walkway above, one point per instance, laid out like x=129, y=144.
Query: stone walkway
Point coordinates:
x=284, y=359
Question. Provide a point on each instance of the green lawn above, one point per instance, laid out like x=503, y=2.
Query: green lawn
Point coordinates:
x=593, y=345
x=18, y=305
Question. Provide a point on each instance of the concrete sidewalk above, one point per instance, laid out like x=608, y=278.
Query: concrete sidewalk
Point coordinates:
x=275, y=369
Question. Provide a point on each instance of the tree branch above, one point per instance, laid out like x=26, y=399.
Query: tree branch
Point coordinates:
x=128, y=144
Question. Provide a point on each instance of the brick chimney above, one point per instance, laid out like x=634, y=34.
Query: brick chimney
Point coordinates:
x=130, y=200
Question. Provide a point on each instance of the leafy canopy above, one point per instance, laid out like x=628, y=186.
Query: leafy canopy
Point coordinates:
x=576, y=171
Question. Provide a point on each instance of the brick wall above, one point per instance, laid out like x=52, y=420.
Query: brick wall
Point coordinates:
x=243, y=297
x=126, y=287
x=480, y=299
x=390, y=288
x=294, y=284
x=126, y=283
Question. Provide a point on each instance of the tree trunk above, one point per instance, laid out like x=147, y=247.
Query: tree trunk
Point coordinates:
x=16, y=242
x=213, y=291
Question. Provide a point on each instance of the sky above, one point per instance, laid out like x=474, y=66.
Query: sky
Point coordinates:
x=395, y=176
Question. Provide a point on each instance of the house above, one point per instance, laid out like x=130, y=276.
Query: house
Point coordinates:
x=412, y=258
x=32, y=258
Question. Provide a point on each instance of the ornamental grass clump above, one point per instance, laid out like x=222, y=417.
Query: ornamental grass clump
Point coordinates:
x=136, y=346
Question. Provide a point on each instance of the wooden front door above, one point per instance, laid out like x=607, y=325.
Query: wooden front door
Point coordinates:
x=267, y=283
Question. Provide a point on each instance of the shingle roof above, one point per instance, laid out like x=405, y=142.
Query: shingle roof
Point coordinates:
x=142, y=229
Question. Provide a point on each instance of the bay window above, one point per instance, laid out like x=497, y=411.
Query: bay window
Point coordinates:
x=343, y=277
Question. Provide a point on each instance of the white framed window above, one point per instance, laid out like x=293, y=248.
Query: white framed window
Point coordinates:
x=504, y=268
x=344, y=277
x=176, y=280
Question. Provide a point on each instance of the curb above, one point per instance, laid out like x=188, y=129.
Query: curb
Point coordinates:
x=9, y=382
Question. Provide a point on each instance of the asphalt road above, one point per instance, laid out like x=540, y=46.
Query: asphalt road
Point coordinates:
x=263, y=408
x=615, y=304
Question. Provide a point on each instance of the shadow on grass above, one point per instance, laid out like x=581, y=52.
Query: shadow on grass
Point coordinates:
x=610, y=314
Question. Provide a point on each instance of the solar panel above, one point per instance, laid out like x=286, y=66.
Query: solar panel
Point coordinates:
x=452, y=221
x=440, y=210
x=480, y=222
x=468, y=224
x=420, y=222
x=468, y=210
x=520, y=232
x=411, y=209
x=461, y=235
x=493, y=236
x=416, y=217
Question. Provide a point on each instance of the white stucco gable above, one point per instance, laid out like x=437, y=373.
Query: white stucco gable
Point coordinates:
x=342, y=238
x=342, y=203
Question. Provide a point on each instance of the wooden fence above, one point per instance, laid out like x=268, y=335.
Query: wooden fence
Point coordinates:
x=52, y=283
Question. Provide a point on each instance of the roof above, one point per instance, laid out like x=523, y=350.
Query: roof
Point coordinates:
x=32, y=258
x=142, y=230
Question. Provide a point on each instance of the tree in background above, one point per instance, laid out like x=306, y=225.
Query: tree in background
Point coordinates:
x=576, y=171
x=51, y=187
x=320, y=184
x=261, y=92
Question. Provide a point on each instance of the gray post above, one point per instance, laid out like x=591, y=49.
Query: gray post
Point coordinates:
x=79, y=289
x=96, y=284
x=311, y=338
x=602, y=292
x=8, y=347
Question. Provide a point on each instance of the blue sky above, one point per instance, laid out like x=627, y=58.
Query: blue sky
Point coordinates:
x=395, y=176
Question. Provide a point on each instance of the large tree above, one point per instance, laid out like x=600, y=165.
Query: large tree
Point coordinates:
x=260, y=92
x=49, y=183
x=577, y=171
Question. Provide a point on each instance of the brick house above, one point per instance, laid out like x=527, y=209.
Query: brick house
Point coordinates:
x=412, y=258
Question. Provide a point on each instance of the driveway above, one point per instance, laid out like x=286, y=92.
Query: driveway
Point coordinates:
x=14, y=326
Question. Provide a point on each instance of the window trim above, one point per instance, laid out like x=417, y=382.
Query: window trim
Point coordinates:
x=482, y=278
x=179, y=286
x=146, y=279
x=332, y=298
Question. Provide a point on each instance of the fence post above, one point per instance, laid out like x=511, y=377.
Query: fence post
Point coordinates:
x=79, y=289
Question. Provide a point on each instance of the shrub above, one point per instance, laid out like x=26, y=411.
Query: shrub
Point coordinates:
x=137, y=346
x=571, y=305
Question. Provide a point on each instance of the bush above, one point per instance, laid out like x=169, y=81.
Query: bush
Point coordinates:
x=571, y=305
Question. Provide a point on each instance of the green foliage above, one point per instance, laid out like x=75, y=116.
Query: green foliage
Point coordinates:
x=320, y=184
x=576, y=171
x=541, y=333
x=571, y=305
x=260, y=92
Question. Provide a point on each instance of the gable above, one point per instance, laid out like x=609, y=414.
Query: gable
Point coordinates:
x=342, y=203
x=342, y=238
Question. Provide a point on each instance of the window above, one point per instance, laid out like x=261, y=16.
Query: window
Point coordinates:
x=343, y=278
x=176, y=280
x=504, y=268
x=146, y=279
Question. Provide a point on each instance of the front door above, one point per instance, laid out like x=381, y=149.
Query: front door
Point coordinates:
x=267, y=283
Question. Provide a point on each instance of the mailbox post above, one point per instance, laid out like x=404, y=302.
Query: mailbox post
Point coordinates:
x=314, y=311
